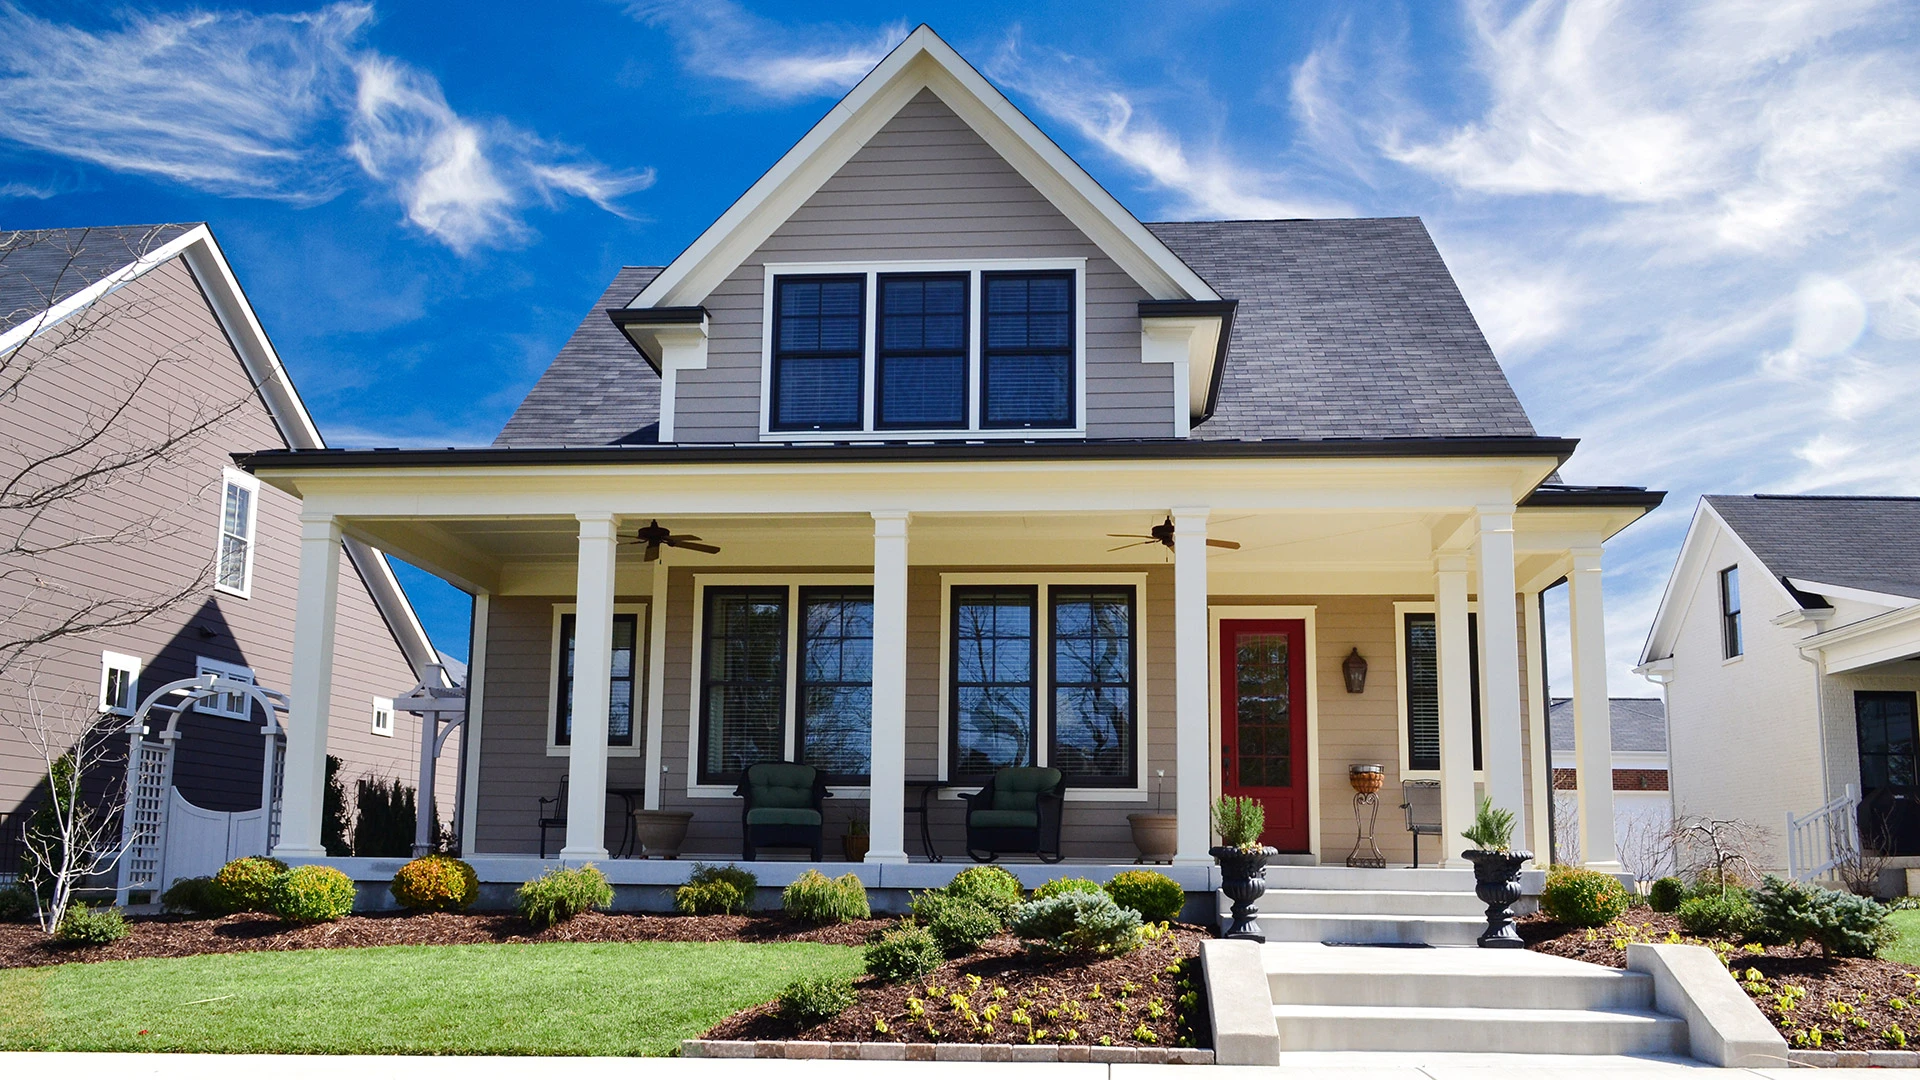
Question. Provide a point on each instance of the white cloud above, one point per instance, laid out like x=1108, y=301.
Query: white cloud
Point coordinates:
x=719, y=39
x=258, y=106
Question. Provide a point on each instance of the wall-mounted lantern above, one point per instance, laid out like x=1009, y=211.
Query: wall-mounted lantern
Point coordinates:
x=1355, y=669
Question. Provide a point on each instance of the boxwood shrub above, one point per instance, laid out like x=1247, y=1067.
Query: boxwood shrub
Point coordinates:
x=1581, y=897
x=990, y=887
x=902, y=953
x=1157, y=897
x=1716, y=914
x=1066, y=885
x=1666, y=894
x=313, y=894
x=956, y=922
x=815, y=999
x=435, y=883
x=194, y=896
x=247, y=883
x=82, y=925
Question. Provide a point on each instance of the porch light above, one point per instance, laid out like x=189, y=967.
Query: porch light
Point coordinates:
x=1355, y=669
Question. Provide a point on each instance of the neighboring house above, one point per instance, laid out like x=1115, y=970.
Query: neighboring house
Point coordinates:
x=96, y=313
x=1788, y=641
x=917, y=387
x=1642, y=810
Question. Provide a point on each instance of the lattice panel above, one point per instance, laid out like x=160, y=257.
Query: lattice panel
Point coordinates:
x=277, y=746
x=147, y=802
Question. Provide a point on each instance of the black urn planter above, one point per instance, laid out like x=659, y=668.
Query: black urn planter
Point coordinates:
x=1243, y=877
x=1496, y=881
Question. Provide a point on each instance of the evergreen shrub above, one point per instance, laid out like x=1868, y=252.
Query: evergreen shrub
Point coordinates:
x=313, y=894
x=904, y=952
x=814, y=897
x=1078, y=924
x=247, y=883
x=1581, y=897
x=82, y=925
x=435, y=883
x=561, y=893
x=1157, y=897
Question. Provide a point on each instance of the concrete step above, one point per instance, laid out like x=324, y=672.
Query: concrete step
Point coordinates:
x=1598, y=988
x=1392, y=879
x=1348, y=902
x=1373, y=929
x=1477, y=1030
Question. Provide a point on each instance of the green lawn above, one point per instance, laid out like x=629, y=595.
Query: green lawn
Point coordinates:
x=1907, y=949
x=457, y=999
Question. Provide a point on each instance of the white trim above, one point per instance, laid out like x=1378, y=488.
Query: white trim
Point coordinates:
x=1307, y=613
x=110, y=662
x=640, y=677
x=383, y=711
x=1847, y=592
x=217, y=705
x=793, y=583
x=922, y=61
x=1042, y=672
x=1401, y=609
x=230, y=478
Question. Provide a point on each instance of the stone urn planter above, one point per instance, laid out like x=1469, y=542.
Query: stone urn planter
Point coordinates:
x=1243, y=877
x=1155, y=836
x=1496, y=881
x=661, y=832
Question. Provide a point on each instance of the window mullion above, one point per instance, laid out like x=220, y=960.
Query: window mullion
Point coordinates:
x=869, y=405
x=977, y=330
x=1043, y=626
x=792, y=653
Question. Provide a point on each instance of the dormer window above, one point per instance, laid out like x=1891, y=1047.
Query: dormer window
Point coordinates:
x=920, y=352
x=818, y=352
x=1027, y=370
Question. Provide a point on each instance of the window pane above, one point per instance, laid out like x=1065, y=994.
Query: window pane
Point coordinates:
x=1093, y=706
x=921, y=361
x=819, y=392
x=818, y=352
x=743, y=713
x=233, y=562
x=993, y=689
x=836, y=680
x=1029, y=390
x=1423, y=693
x=621, y=681
x=1028, y=354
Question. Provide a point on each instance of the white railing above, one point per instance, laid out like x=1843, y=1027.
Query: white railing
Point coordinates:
x=1824, y=839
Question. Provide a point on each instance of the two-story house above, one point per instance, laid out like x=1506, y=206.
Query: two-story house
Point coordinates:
x=928, y=459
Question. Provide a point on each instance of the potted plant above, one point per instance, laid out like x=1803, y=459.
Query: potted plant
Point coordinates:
x=1496, y=872
x=661, y=832
x=854, y=844
x=1243, y=861
x=1155, y=835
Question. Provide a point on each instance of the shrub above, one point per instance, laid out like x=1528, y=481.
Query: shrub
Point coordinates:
x=246, y=884
x=16, y=904
x=813, y=897
x=435, y=883
x=990, y=887
x=1157, y=897
x=90, y=926
x=560, y=894
x=1582, y=897
x=313, y=894
x=1492, y=828
x=383, y=819
x=1078, y=924
x=902, y=953
x=335, y=826
x=1717, y=914
x=1066, y=885
x=957, y=923
x=815, y=999
x=1843, y=924
x=1666, y=894
x=716, y=890
x=194, y=896
x=1239, y=820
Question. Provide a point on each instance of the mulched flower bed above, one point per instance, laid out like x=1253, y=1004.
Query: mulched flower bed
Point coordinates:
x=1852, y=1004
x=1108, y=1002
x=23, y=945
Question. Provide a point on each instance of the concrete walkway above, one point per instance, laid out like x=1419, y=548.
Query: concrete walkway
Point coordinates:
x=1327, y=1066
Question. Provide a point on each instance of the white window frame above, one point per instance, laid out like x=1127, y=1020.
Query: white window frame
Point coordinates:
x=383, y=717
x=213, y=706
x=642, y=634
x=973, y=268
x=793, y=584
x=1401, y=609
x=251, y=484
x=109, y=663
x=1042, y=674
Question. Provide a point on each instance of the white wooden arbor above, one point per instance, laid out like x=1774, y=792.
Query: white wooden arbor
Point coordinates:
x=442, y=709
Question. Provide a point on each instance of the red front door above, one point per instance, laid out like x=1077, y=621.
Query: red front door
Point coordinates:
x=1263, y=722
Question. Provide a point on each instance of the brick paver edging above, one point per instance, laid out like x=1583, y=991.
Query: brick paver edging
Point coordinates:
x=1854, y=1059
x=869, y=1051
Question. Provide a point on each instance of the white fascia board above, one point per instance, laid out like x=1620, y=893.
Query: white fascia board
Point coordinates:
x=922, y=61
x=1190, y=343
x=1844, y=592
x=1890, y=636
x=1706, y=527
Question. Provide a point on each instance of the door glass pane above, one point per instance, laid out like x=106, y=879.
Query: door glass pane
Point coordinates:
x=1886, y=725
x=1264, y=711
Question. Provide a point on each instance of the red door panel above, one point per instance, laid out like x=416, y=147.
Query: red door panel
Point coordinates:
x=1263, y=722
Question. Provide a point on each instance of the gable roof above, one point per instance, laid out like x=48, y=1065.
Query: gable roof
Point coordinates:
x=921, y=62
x=47, y=275
x=1638, y=724
x=1855, y=542
x=1347, y=328
x=598, y=391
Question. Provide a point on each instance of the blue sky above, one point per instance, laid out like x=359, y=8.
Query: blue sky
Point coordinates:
x=1689, y=231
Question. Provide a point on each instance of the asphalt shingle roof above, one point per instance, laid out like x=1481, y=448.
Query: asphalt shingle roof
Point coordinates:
x=599, y=390
x=41, y=267
x=1639, y=724
x=1859, y=542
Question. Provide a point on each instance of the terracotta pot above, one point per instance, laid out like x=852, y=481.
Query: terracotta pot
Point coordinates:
x=855, y=847
x=1243, y=877
x=661, y=832
x=1496, y=881
x=1155, y=835
x=1366, y=779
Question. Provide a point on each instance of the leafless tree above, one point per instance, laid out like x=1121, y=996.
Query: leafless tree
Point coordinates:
x=1720, y=851
x=76, y=835
x=1566, y=831
x=1645, y=845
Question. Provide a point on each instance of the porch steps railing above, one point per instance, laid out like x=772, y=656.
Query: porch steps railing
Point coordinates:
x=1824, y=839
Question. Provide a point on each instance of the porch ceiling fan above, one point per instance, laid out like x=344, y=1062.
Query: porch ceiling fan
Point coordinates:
x=656, y=534
x=1163, y=534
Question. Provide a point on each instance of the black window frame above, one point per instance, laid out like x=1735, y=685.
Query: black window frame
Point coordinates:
x=1912, y=702
x=712, y=594
x=881, y=353
x=1473, y=668
x=956, y=597
x=778, y=355
x=1733, y=641
x=802, y=684
x=1072, y=351
x=562, y=733
x=1054, y=595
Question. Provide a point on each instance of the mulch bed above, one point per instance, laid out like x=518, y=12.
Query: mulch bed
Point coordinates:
x=1107, y=1002
x=23, y=945
x=1852, y=1003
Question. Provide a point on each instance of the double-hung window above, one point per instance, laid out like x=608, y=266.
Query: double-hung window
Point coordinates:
x=1026, y=358
x=743, y=680
x=1421, y=649
x=833, y=713
x=233, y=563
x=993, y=678
x=819, y=352
x=920, y=352
x=1732, y=644
x=623, y=681
x=1093, y=697
x=119, y=683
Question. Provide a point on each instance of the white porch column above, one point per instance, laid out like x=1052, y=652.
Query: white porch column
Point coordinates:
x=1192, y=737
x=1592, y=722
x=1456, y=704
x=887, y=763
x=476, y=719
x=656, y=680
x=311, y=691
x=592, y=690
x=1500, y=667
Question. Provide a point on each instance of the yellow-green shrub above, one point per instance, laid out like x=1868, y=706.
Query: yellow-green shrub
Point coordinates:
x=1581, y=897
x=247, y=884
x=435, y=883
x=313, y=894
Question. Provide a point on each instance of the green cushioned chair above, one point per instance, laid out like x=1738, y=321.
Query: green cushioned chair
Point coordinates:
x=1017, y=812
x=782, y=806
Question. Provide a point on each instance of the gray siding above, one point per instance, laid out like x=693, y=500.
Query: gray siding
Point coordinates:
x=163, y=316
x=926, y=187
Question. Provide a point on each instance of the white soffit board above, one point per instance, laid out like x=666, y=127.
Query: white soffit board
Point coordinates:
x=922, y=61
